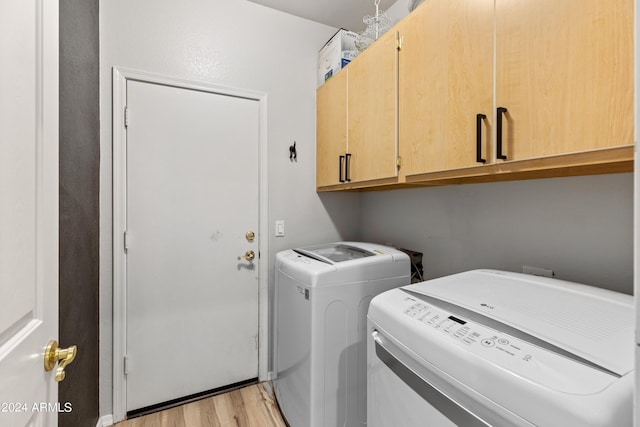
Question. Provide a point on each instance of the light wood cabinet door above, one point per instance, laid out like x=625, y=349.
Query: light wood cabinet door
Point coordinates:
x=331, y=129
x=445, y=81
x=372, y=111
x=564, y=72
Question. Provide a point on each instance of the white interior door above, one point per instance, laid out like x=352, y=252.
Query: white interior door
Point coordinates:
x=192, y=197
x=28, y=210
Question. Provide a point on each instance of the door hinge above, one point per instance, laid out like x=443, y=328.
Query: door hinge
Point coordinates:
x=126, y=117
x=126, y=365
x=126, y=241
x=399, y=162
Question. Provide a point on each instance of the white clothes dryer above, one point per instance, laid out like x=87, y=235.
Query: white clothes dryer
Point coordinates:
x=322, y=297
x=488, y=347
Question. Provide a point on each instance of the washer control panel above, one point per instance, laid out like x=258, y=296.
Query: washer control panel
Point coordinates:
x=468, y=333
x=511, y=353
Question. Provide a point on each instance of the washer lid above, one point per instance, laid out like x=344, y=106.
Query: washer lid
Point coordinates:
x=594, y=324
x=332, y=253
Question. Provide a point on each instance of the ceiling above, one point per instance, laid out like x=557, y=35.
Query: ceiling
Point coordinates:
x=346, y=14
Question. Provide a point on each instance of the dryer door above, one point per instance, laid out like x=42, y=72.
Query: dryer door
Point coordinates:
x=402, y=390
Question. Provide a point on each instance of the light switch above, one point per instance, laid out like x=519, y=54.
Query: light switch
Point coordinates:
x=280, y=228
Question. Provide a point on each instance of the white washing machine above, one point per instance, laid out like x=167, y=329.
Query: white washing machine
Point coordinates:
x=487, y=347
x=322, y=297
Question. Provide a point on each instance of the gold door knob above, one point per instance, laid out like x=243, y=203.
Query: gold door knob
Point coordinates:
x=53, y=355
x=249, y=256
x=250, y=236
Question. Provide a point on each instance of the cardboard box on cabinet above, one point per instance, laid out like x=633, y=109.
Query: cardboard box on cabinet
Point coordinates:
x=336, y=54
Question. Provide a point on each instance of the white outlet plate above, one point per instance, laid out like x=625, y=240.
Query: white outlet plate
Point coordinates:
x=536, y=271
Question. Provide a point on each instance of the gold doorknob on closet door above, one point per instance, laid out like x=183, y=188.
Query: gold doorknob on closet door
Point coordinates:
x=62, y=356
x=249, y=256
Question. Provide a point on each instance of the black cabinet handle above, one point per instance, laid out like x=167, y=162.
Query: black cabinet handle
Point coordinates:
x=479, y=119
x=346, y=168
x=340, y=173
x=499, y=155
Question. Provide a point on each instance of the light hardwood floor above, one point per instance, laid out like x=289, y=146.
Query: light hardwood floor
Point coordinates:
x=249, y=406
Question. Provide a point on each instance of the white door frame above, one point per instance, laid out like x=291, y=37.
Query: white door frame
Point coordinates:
x=120, y=77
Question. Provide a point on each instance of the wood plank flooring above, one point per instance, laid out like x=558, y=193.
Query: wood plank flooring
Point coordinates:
x=250, y=406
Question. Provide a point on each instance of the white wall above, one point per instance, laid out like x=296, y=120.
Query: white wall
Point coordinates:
x=398, y=10
x=238, y=44
x=580, y=227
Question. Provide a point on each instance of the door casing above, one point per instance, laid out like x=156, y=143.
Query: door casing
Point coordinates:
x=120, y=77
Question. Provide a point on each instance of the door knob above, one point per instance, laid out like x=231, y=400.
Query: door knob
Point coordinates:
x=249, y=256
x=250, y=236
x=62, y=356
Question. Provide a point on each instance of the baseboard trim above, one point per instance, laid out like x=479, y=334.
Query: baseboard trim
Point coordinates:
x=105, y=421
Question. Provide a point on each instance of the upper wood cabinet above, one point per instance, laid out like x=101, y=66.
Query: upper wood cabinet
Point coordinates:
x=446, y=81
x=356, y=119
x=489, y=90
x=331, y=130
x=564, y=74
x=372, y=111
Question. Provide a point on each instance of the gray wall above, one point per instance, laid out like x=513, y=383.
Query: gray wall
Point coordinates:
x=79, y=207
x=580, y=227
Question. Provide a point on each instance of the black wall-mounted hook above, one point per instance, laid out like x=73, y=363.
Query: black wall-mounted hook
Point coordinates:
x=293, y=155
